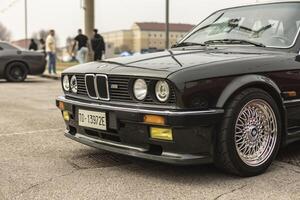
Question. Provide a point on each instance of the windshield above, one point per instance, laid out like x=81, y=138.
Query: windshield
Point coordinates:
x=270, y=25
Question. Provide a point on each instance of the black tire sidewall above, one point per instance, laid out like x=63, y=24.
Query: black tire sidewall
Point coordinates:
x=237, y=162
x=13, y=65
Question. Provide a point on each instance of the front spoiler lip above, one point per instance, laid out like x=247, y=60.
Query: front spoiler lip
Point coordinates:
x=140, y=110
x=165, y=157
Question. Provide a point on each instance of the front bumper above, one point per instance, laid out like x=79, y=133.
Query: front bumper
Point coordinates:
x=127, y=134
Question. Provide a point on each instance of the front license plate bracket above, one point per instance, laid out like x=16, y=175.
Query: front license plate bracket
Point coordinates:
x=92, y=119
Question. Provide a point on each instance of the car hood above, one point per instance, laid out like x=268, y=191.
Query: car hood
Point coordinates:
x=166, y=63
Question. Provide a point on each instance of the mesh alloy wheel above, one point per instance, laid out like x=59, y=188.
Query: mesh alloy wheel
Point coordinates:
x=250, y=134
x=255, y=132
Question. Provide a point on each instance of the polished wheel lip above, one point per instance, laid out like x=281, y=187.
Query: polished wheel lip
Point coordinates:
x=255, y=132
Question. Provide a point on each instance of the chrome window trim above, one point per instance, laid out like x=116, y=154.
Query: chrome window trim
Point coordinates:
x=288, y=47
x=96, y=87
x=87, y=87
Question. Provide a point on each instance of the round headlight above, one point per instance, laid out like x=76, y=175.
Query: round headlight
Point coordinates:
x=162, y=91
x=140, y=89
x=73, y=84
x=66, y=83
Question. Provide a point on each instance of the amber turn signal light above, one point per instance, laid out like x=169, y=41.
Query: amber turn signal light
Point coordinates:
x=291, y=93
x=61, y=105
x=154, y=119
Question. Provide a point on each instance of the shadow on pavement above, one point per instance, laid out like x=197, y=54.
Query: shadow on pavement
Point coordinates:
x=27, y=81
x=93, y=158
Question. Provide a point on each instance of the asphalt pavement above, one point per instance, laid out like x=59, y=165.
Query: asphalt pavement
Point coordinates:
x=38, y=162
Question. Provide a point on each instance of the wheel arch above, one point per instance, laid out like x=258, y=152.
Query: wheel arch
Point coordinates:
x=255, y=81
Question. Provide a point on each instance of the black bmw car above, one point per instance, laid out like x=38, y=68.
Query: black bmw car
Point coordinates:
x=228, y=93
x=16, y=63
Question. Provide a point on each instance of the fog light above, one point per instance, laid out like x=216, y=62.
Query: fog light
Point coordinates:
x=66, y=115
x=161, y=133
x=154, y=119
x=61, y=105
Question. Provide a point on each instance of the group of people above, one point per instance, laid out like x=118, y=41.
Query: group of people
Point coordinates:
x=82, y=43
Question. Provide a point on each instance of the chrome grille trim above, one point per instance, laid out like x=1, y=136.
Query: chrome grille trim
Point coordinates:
x=107, y=88
x=118, y=89
x=86, y=86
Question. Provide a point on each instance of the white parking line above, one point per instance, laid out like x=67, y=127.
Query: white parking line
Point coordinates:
x=31, y=132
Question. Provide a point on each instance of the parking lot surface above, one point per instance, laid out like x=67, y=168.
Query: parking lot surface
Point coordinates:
x=38, y=162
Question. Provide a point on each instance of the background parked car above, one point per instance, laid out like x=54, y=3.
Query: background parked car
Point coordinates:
x=16, y=63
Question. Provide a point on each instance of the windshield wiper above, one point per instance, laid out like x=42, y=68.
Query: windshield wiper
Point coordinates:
x=186, y=44
x=234, y=41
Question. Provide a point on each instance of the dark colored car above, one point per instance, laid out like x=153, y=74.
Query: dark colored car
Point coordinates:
x=16, y=64
x=228, y=93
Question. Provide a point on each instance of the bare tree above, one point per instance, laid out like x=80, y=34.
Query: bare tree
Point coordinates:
x=4, y=33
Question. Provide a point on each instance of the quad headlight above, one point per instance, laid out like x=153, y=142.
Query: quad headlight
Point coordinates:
x=140, y=89
x=73, y=84
x=66, y=83
x=162, y=91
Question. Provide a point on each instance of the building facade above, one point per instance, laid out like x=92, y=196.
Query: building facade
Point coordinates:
x=143, y=37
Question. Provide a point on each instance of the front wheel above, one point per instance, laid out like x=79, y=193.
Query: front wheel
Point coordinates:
x=250, y=134
x=16, y=72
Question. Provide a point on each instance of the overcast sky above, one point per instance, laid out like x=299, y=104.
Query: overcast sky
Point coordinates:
x=66, y=16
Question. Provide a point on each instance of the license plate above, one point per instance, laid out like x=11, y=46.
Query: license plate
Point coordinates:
x=92, y=119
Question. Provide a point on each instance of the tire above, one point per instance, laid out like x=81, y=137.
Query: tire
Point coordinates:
x=16, y=72
x=243, y=146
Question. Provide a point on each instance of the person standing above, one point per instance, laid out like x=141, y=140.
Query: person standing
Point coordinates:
x=33, y=46
x=51, y=51
x=98, y=45
x=82, y=42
